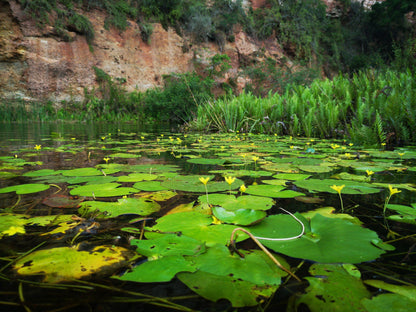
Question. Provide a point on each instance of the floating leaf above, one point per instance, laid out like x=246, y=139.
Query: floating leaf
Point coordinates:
x=86, y=172
x=351, y=187
x=68, y=263
x=157, y=271
x=102, y=190
x=149, y=186
x=230, y=202
x=239, y=216
x=406, y=291
x=206, y=161
x=140, y=206
x=326, y=240
x=159, y=195
x=242, y=281
x=195, y=225
x=137, y=177
x=25, y=188
x=333, y=289
x=191, y=183
x=388, y=303
x=274, y=191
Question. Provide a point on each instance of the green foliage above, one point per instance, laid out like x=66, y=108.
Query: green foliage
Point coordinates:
x=177, y=102
x=370, y=107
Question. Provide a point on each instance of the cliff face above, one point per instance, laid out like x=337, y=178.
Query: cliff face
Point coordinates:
x=35, y=64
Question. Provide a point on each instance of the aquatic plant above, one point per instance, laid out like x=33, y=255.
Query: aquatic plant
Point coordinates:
x=338, y=189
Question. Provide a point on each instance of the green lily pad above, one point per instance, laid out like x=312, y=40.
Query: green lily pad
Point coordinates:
x=206, y=161
x=102, y=190
x=333, y=289
x=68, y=263
x=22, y=189
x=41, y=173
x=274, y=191
x=191, y=183
x=388, y=303
x=195, y=225
x=91, y=180
x=168, y=245
x=239, y=216
x=87, y=172
x=137, y=177
x=406, y=291
x=158, y=271
x=242, y=281
x=149, y=186
x=230, y=202
x=326, y=240
x=291, y=176
x=402, y=209
x=140, y=206
x=351, y=187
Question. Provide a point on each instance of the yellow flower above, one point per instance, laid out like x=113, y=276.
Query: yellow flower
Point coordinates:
x=243, y=188
x=337, y=188
x=351, y=144
x=291, y=147
x=229, y=180
x=38, y=147
x=400, y=154
x=106, y=159
x=255, y=158
x=14, y=230
x=204, y=180
x=369, y=172
x=393, y=190
x=348, y=155
x=103, y=138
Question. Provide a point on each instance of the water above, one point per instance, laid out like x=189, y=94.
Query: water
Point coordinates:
x=149, y=152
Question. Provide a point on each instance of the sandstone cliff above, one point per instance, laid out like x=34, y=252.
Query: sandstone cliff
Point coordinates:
x=36, y=64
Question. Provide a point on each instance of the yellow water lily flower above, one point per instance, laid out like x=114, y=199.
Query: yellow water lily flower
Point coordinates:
x=255, y=158
x=38, y=147
x=204, y=180
x=106, y=159
x=229, y=180
x=393, y=190
x=369, y=172
x=337, y=188
x=243, y=188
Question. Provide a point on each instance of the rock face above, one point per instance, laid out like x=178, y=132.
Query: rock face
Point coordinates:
x=35, y=64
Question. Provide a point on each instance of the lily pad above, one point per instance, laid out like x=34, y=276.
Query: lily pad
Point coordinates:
x=239, y=216
x=230, y=202
x=274, y=191
x=102, y=190
x=22, y=189
x=351, y=187
x=333, y=289
x=87, y=172
x=140, y=206
x=195, y=225
x=137, y=177
x=149, y=186
x=326, y=240
x=242, y=281
x=191, y=183
x=68, y=263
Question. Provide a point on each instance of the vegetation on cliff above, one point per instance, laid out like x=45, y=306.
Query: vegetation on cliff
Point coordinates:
x=373, y=51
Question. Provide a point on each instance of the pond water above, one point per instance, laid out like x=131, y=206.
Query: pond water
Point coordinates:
x=114, y=217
